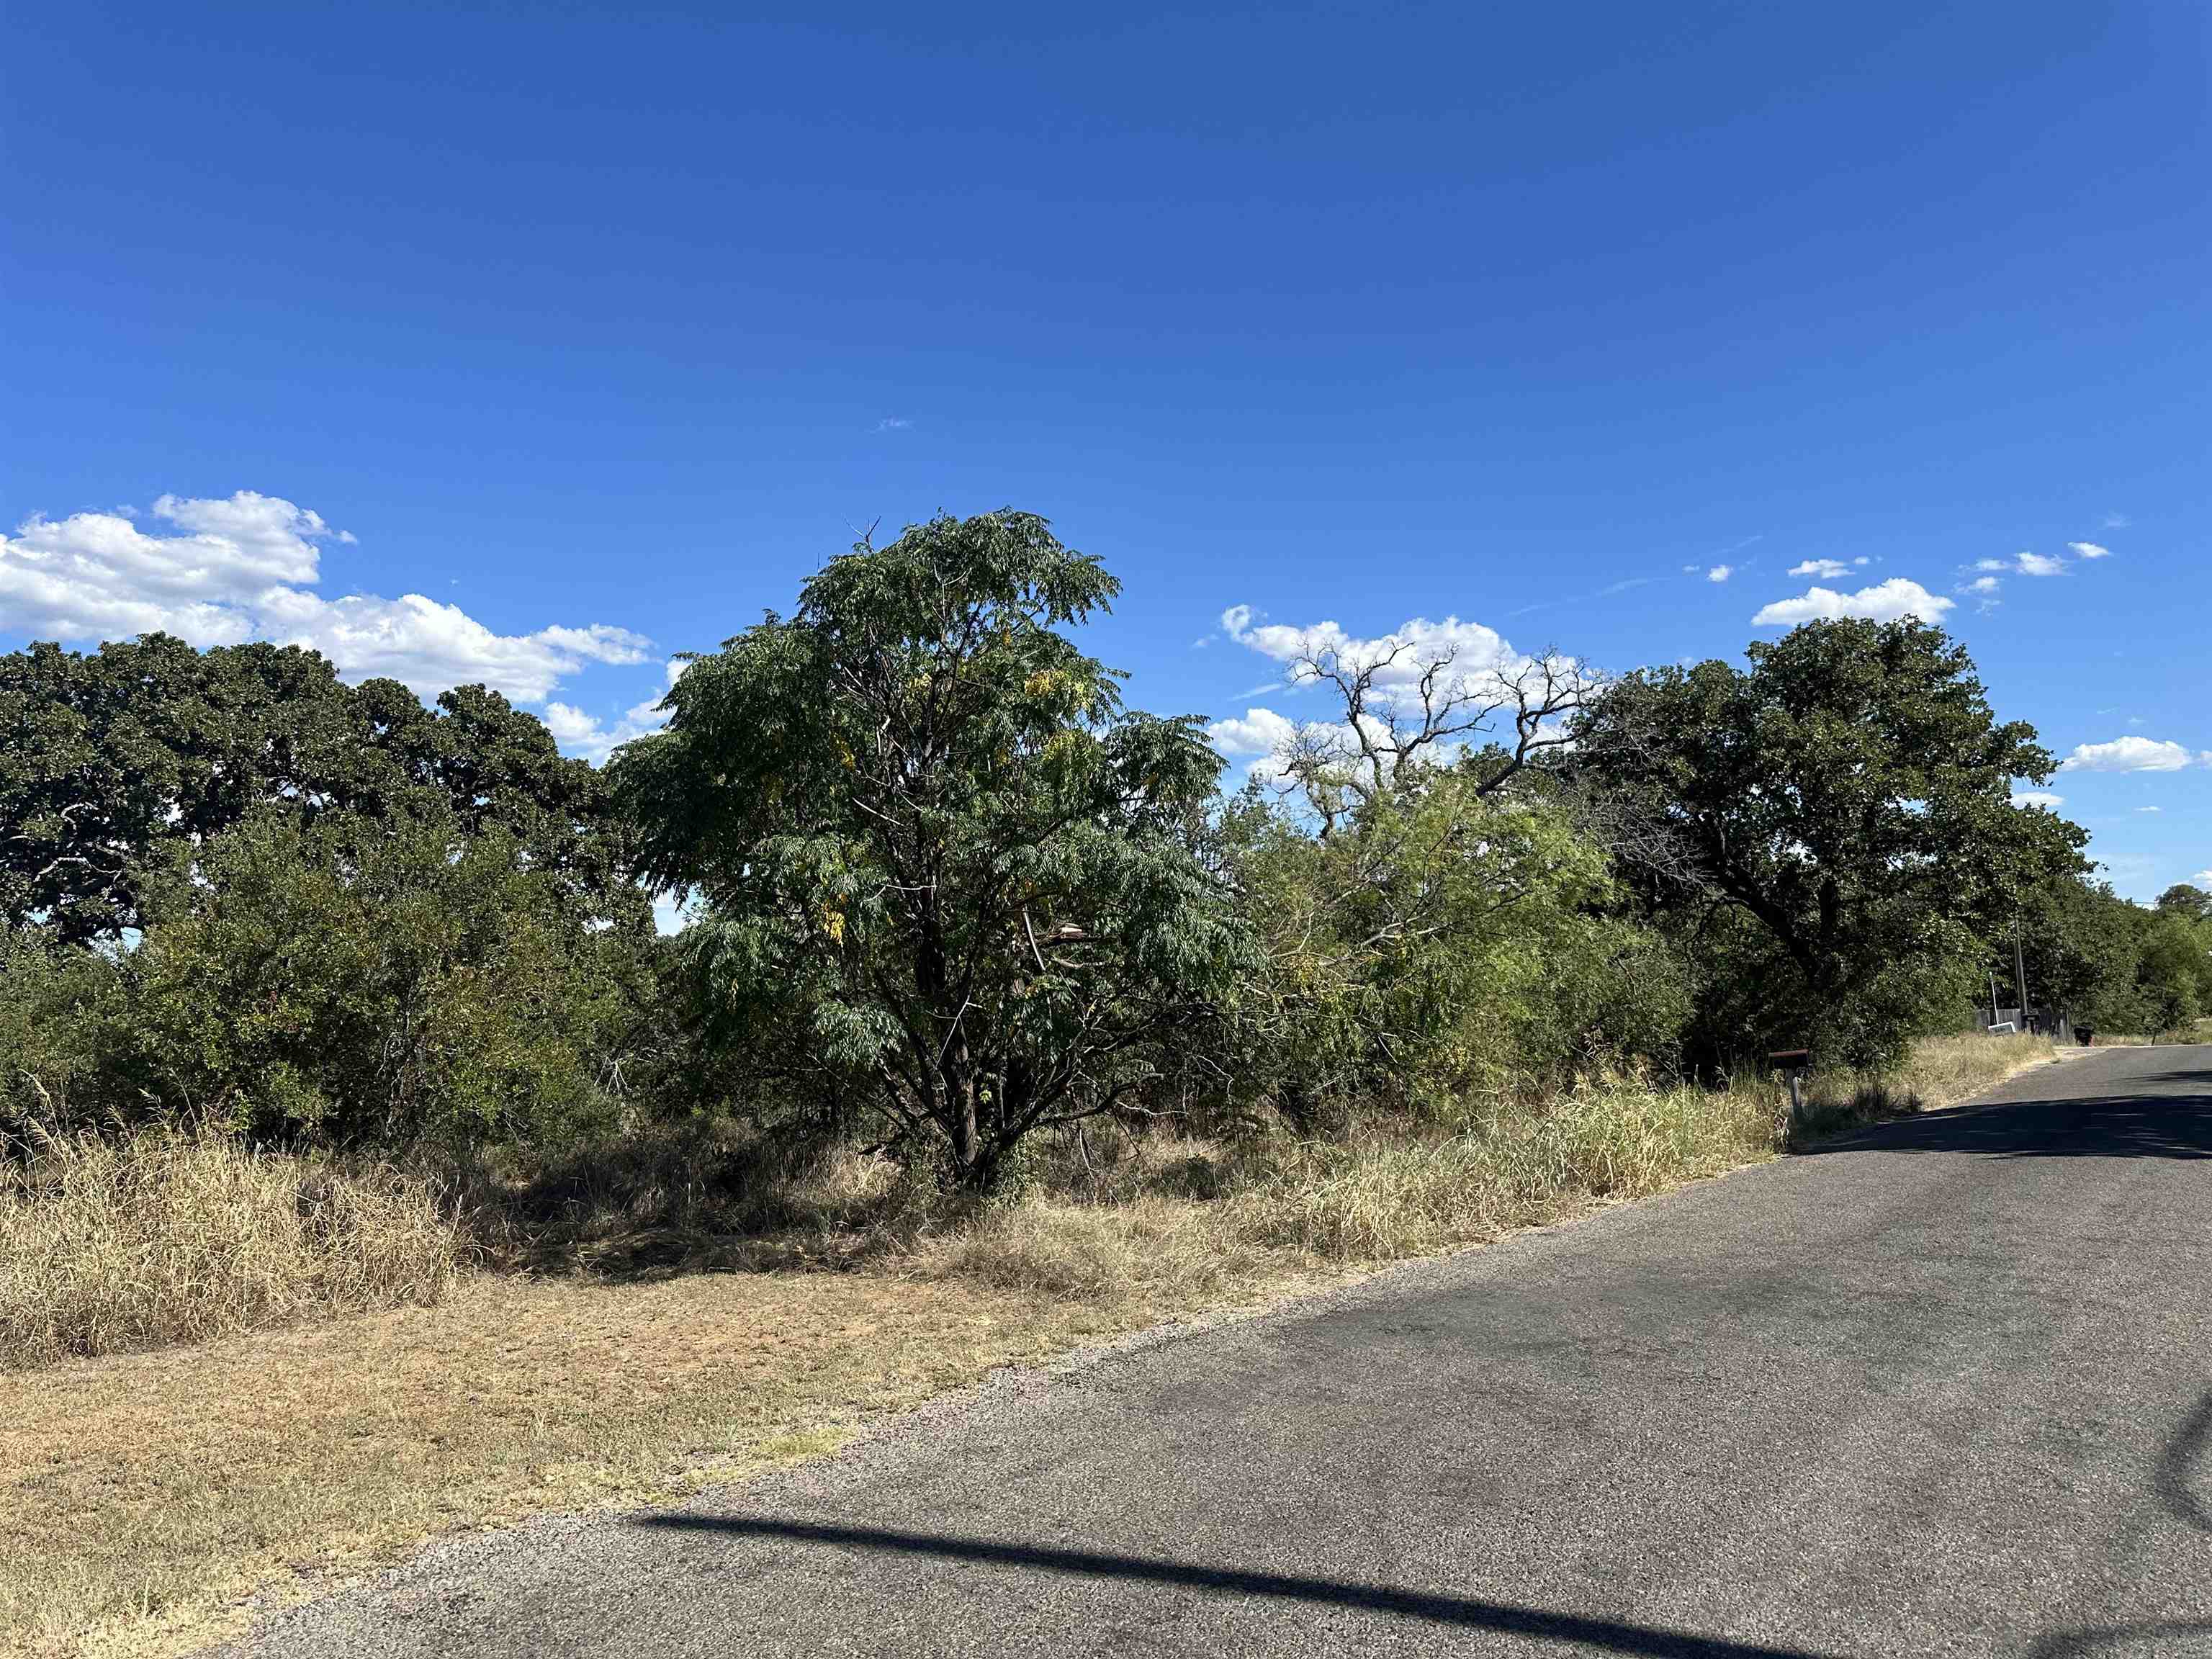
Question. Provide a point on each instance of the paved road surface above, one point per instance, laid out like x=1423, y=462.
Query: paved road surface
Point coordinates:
x=1942, y=1386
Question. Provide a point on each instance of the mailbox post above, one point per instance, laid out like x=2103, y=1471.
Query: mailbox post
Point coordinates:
x=1793, y=1064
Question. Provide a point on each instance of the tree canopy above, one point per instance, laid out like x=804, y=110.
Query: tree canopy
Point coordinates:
x=934, y=848
x=113, y=757
x=1850, y=793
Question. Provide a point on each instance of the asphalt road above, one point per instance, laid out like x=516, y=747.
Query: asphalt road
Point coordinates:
x=1944, y=1386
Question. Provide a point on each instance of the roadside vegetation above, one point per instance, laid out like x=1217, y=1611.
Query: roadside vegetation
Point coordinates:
x=345, y=1081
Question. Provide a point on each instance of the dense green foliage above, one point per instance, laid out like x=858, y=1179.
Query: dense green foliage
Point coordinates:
x=938, y=858
x=108, y=760
x=1842, y=810
x=942, y=880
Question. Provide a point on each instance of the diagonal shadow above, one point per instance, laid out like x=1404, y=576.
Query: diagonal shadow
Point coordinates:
x=2178, y=1459
x=2080, y=1643
x=2177, y=1125
x=1608, y=1635
x=2175, y=1465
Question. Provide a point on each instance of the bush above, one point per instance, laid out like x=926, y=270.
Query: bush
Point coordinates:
x=1439, y=948
x=347, y=983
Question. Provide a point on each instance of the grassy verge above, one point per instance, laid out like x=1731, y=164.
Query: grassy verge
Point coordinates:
x=107, y=1247
x=146, y=1492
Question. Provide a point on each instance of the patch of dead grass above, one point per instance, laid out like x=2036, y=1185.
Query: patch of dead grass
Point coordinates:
x=144, y=1494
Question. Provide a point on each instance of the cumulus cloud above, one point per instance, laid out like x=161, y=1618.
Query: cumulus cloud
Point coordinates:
x=2130, y=755
x=1259, y=731
x=1830, y=569
x=1983, y=585
x=2039, y=798
x=1885, y=601
x=1720, y=573
x=2202, y=878
x=245, y=566
x=1476, y=653
x=1468, y=661
x=2038, y=564
x=581, y=733
x=2090, y=550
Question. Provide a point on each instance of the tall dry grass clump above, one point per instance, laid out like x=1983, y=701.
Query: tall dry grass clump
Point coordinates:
x=1938, y=1072
x=109, y=1245
x=1381, y=1193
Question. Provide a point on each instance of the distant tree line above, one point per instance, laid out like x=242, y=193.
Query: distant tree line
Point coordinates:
x=946, y=889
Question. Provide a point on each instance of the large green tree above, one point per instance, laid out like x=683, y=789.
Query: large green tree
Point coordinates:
x=936, y=852
x=1848, y=794
x=110, y=759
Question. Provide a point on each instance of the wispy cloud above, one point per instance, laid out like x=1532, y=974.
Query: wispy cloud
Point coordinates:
x=1720, y=573
x=2091, y=549
x=2117, y=521
x=893, y=423
x=1829, y=569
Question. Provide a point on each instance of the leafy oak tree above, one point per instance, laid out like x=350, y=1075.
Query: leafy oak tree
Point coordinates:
x=111, y=760
x=938, y=858
x=1848, y=798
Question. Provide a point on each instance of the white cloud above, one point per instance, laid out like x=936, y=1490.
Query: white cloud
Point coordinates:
x=1720, y=573
x=245, y=568
x=2127, y=754
x=1992, y=564
x=2038, y=564
x=1830, y=569
x=2150, y=809
x=581, y=733
x=1883, y=602
x=2039, y=798
x=1476, y=653
x=2090, y=550
x=1259, y=731
x=1863, y=559
x=2202, y=878
x=2117, y=521
x=1481, y=662
x=1983, y=585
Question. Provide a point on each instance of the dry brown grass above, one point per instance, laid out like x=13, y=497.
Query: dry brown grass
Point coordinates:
x=1940, y=1071
x=107, y=1246
x=145, y=1493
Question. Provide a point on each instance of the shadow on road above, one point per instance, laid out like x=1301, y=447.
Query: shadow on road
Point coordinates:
x=2174, y=1124
x=1607, y=1635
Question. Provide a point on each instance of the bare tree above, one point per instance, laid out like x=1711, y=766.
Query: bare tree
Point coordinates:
x=1411, y=703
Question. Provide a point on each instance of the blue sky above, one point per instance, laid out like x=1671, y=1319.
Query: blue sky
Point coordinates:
x=595, y=329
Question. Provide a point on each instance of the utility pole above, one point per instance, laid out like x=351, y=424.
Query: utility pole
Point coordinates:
x=2020, y=971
